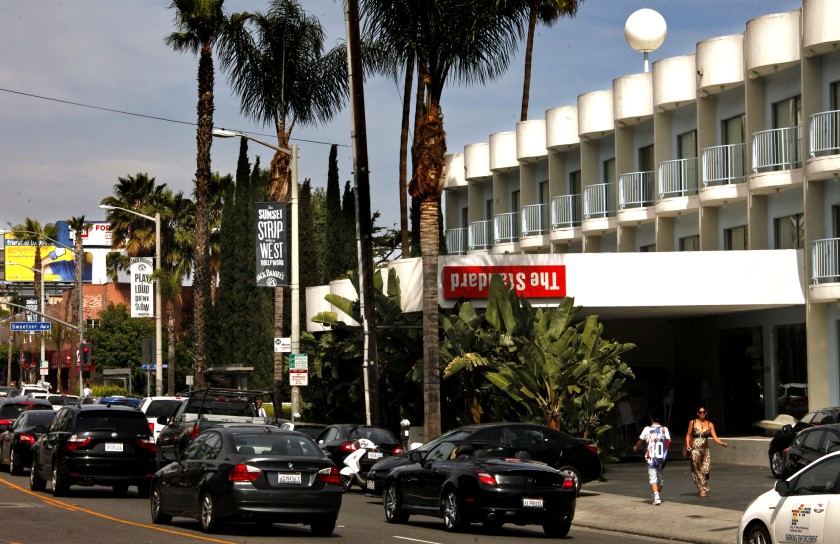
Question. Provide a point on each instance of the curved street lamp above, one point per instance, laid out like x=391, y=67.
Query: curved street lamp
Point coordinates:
x=43, y=347
x=158, y=317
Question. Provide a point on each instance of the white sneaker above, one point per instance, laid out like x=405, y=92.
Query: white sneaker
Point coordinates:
x=656, y=500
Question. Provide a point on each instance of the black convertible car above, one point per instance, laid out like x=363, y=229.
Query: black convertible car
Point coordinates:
x=784, y=437
x=576, y=457
x=467, y=482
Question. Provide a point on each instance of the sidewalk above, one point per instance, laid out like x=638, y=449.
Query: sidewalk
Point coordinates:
x=623, y=503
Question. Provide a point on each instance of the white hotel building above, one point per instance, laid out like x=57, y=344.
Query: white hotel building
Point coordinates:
x=695, y=208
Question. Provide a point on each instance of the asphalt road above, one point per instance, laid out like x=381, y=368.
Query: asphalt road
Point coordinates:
x=93, y=514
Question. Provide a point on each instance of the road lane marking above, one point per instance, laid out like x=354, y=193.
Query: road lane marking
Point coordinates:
x=416, y=540
x=75, y=508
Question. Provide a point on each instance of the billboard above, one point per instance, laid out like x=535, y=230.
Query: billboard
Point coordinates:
x=58, y=262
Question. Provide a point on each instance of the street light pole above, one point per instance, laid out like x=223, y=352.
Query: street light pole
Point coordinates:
x=158, y=314
x=294, y=285
x=43, y=347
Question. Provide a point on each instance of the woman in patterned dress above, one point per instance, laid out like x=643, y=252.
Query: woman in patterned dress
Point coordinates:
x=697, y=438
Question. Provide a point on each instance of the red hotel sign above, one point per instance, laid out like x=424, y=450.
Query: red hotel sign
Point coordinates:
x=529, y=281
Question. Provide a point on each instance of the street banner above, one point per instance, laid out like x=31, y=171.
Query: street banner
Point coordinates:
x=272, y=265
x=142, y=287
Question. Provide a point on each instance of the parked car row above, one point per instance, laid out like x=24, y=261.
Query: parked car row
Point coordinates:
x=816, y=434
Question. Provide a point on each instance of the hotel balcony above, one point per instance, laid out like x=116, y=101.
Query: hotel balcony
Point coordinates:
x=677, y=187
x=506, y=233
x=599, y=207
x=565, y=218
x=776, y=160
x=635, y=198
x=824, y=147
x=724, y=172
x=535, y=226
x=825, y=270
x=456, y=241
x=479, y=235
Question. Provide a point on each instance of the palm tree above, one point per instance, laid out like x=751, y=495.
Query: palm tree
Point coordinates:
x=201, y=24
x=79, y=226
x=473, y=40
x=139, y=193
x=277, y=65
x=546, y=12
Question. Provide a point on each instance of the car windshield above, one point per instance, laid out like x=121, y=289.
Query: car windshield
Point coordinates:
x=221, y=406
x=451, y=436
x=61, y=400
x=377, y=436
x=128, y=422
x=276, y=444
x=39, y=417
x=11, y=411
x=159, y=408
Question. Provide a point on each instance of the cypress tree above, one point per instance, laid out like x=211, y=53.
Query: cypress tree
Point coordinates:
x=349, y=252
x=312, y=251
x=334, y=224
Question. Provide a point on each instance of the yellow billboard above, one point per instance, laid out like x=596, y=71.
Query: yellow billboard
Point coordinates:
x=57, y=262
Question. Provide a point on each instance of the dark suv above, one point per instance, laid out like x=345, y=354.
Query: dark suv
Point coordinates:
x=95, y=444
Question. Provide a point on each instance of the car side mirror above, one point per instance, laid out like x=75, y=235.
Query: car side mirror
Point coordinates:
x=782, y=487
x=416, y=456
x=787, y=428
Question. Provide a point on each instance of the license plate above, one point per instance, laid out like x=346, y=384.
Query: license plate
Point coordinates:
x=532, y=503
x=288, y=478
x=113, y=446
x=370, y=485
x=375, y=455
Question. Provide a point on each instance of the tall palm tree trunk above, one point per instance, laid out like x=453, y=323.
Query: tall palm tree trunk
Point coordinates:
x=406, y=114
x=529, y=53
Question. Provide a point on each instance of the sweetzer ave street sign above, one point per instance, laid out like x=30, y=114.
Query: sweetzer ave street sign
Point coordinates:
x=30, y=326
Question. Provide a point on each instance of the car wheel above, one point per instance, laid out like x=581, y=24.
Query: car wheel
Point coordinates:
x=758, y=535
x=453, y=517
x=120, y=490
x=59, y=481
x=36, y=483
x=776, y=464
x=209, y=520
x=392, y=502
x=14, y=464
x=557, y=528
x=155, y=503
x=323, y=526
x=572, y=473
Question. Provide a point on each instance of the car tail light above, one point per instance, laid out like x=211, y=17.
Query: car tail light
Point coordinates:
x=591, y=447
x=785, y=452
x=486, y=478
x=243, y=473
x=398, y=450
x=26, y=439
x=195, y=431
x=74, y=442
x=330, y=475
x=152, y=428
x=6, y=421
x=349, y=446
x=147, y=444
x=568, y=483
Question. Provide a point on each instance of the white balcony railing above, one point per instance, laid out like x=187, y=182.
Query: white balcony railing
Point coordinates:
x=534, y=219
x=599, y=201
x=635, y=190
x=480, y=235
x=506, y=228
x=678, y=178
x=565, y=212
x=825, y=261
x=456, y=241
x=724, y=164
x=777, y=149
x=824, y=131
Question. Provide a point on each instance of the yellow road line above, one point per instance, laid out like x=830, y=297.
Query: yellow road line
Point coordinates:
x=74, y=508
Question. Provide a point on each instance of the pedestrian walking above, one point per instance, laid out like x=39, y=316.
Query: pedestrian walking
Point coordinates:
x=697, y=437
x=658, y=441
x=86, y=392
x=260, y=409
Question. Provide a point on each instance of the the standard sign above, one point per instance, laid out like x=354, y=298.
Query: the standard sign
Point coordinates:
x=142, y=288
x=271, y=244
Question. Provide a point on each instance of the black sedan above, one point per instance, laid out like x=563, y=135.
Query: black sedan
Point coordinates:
x=472, y=482
x=16, y=443
x=576, y=457
x=243, y=472
x=339, y=441
x=784, y=438
x=809, y=445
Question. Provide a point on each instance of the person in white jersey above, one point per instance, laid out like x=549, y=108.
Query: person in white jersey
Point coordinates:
x=658, y=441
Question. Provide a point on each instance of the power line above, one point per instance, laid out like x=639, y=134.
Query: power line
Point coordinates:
x=145, y=116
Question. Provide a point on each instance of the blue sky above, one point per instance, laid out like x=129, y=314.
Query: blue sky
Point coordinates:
x=59, y=160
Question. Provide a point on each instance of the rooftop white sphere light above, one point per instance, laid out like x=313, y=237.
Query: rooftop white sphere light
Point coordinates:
x=645, y=30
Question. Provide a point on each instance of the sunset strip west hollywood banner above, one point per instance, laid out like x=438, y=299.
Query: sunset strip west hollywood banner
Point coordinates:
x=272, y=267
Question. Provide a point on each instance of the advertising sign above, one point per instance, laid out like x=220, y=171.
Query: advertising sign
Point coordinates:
x=272, y=265
x=541, y=281
x=98, y=234
x=142, y=287
x=58, y=262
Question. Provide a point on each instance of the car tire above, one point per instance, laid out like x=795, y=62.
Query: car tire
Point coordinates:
x=207, y=513
x=572, y=472
x=156, y=507
x=59, y=483
x=776, y=464
x=453, y=516
x=323, y=526
x=36, y=483
x=557, y=528
x=758, y=534
x=15, y=467
x=392, y=501
x=120, y=490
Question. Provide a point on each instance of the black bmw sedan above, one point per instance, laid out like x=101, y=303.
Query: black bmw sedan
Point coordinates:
x=245, y=472
x=468, y=482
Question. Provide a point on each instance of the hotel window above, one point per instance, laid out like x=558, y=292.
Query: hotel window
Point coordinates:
x=735, y=239
x=790, y=232
x=788, y=112
x=690, y=243
x=609, y=171
x=687, y=145
x=574, y=183
x=514, y=201
x=834, y=95
x=733, y=130
x=542, y=193
x=464, y=217
x=646, y=158
x=488, y=209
